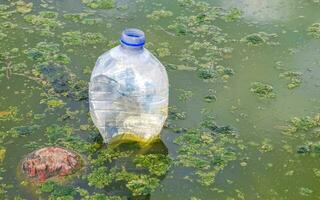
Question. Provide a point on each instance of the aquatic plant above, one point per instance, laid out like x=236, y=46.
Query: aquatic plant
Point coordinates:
x=294, y=78
x=45, y=22
x=185, y=95
x=9, y=114
x=47, y=52
x=159, y=14
x=83, y=18
x=23, y=7
x=78, y=38
x=157, y=164
x=262, y=90
x=256, y=39
x=232, y=15
x=100, y=177
x=306, y=123
x=2, y=154
x=57, y=191
x=55, y=103
x=103, y=4
x=314, y=30
x=207, y=153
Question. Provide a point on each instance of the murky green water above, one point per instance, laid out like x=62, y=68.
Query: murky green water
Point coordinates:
x=191, y=40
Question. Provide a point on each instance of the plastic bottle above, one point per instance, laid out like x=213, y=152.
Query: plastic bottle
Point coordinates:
x=128, y=92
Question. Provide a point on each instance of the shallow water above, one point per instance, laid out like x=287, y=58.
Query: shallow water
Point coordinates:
x=254, y=174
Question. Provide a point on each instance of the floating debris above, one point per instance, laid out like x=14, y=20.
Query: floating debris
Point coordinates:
x=50, y=162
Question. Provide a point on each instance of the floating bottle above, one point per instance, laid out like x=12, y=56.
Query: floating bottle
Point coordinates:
x=128, y=92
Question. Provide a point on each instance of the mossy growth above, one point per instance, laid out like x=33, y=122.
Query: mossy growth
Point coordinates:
x=256, y=39
x=262, y=90
x=294, y=78
x=314, y=30
x=103, y=4
x=159, y=14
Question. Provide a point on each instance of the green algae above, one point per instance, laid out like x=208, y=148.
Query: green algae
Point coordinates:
x=102, y=4
x=159, y=14
x=294, y=78
x=314, y=30
x=262, y=90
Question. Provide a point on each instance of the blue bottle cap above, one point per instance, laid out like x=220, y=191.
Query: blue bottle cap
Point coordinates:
x=132, y=37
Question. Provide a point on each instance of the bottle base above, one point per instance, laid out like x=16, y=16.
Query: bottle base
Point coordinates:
x=131, y=137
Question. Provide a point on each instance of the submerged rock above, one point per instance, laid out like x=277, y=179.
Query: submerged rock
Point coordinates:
x=50, y=162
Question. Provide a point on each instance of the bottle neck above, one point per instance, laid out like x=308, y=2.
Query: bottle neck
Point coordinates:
x=131, y=49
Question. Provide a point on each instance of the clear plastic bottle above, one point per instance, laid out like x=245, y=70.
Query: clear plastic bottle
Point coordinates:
x=128, y=92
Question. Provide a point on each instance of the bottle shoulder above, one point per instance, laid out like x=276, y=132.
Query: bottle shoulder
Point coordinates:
x=118, y=61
